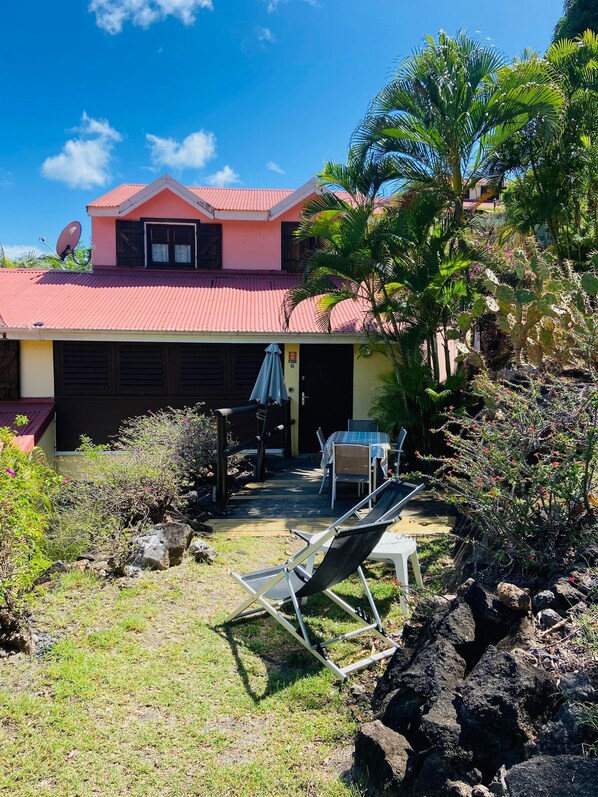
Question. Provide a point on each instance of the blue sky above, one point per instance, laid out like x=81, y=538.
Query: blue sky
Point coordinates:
x=255, y=93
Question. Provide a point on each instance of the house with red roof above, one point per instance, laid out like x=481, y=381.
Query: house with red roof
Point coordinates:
x=185, y=293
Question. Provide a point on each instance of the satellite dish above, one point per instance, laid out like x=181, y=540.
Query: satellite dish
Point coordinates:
x=67, y=244
x=68, y=239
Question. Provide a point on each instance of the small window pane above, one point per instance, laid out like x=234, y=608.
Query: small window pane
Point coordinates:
x=160, y=253
x=182, y=253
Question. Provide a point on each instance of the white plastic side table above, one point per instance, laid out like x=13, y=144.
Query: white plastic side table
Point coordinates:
x=399, y=551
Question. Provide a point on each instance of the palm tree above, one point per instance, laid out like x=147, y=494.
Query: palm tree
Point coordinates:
x=391, y=254
x=450, y=106
x=38, y=260
x=348, y=219
x=554, y=176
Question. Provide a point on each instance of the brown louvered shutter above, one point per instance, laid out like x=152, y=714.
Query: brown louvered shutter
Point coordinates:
x=129, y=243
x=209, y=246
x=247, y=361
x=290, y=257
x=204, y=369
x=84, y=369
x=9, y=370
x=296, y=252
x=141, y=369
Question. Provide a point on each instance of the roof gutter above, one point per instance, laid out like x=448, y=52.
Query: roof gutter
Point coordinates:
x=180, y=336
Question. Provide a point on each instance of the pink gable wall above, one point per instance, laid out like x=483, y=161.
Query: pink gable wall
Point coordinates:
x=246, y=245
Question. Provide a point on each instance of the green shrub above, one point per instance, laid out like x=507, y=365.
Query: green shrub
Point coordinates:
x=123, y=493
x=543, y=308
x=186, y=438
x=27, y=489
x=419, y=404
x=128, y=490
x=524, y=469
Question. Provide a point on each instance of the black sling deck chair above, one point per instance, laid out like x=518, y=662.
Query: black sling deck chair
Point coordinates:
x=295, y=580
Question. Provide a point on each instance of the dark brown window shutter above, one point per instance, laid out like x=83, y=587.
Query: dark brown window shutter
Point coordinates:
x=9, y=370
x=204, y=369
x=142, y=368
x=129, y=243
x=246, y=364
x=295, y=252
x=84, y=369
x=209, y=246
x=290, y=260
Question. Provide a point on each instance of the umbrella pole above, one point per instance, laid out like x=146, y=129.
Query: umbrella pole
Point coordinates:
x=260, y=459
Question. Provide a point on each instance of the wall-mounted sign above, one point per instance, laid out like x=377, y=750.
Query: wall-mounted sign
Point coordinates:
x=292, y=359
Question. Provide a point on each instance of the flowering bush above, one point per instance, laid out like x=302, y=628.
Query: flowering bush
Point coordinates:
x=524, y=469
x=27, y=489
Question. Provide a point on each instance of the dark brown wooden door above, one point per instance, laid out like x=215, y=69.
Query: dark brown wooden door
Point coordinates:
x=9, y=370
x=325, y=391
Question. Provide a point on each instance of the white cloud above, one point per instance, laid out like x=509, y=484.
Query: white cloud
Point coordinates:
x=111, y=15
x=272, y=5
x=274, y=167
x=223, y=177
x=84, y=161
x=14, y=251
x=265, y=35
x=194, y=151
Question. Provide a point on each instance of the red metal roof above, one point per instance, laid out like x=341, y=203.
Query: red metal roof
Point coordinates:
x=39, y=413
x=258, y=199
x=160, y=302
x=475, y=204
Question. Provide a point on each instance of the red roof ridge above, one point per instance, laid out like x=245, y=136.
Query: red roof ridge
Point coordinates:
x=210, y=198
x=236, y=188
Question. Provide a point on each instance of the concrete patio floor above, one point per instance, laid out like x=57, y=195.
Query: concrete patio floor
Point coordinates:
x=289, y=499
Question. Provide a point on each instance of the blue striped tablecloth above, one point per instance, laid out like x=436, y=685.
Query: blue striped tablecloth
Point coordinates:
x=379, y=441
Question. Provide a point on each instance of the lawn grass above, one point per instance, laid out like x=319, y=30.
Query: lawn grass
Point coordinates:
x=143, y=694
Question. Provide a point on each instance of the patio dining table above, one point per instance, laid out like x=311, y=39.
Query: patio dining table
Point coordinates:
x=379, y=441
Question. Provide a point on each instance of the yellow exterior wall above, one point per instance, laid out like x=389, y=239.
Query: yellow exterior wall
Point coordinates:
x=75, y=465
x=37, y=369
x=48, y=444
x=291, y=378
x=366, y=371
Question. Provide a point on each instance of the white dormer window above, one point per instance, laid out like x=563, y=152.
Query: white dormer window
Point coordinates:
x=168, y=244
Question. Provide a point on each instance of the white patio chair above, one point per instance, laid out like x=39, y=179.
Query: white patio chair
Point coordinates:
x=325, y=461
x=351, y=463
x=398, y=450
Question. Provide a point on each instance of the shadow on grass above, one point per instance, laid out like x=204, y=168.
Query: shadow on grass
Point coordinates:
x=284, y=659
x=293, y=664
